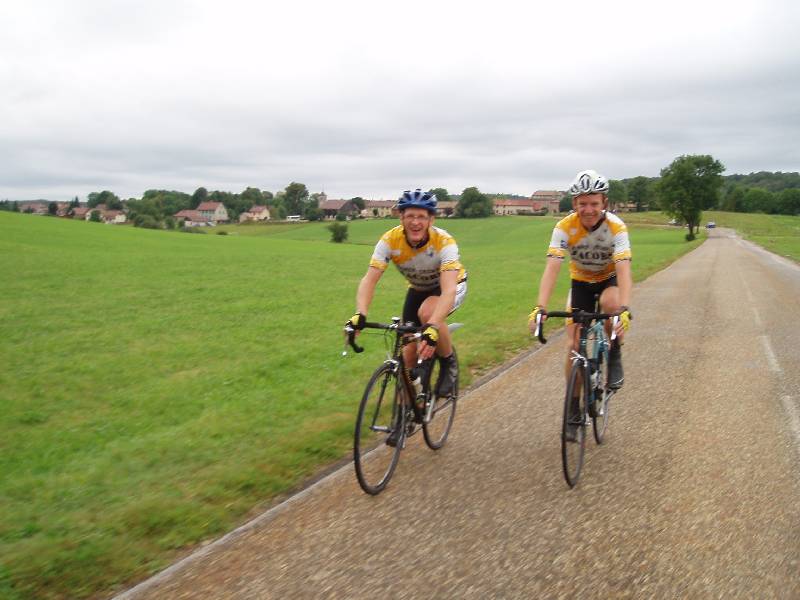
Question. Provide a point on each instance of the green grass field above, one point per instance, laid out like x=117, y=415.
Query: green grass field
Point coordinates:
x=159, y=388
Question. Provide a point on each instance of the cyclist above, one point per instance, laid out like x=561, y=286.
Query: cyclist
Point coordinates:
x=600, y=263
x=428, y=258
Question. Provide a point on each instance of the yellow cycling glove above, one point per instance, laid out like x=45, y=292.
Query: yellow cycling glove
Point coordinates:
x=539, y=310
x=625, y=318
x=357, y=321
x=430, y=335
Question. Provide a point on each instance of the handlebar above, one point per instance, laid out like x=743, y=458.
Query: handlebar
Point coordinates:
x=578, y=316
x=351, y=333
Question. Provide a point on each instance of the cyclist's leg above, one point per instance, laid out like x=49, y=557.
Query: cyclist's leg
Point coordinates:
x=448, y=373
x=609, y=303
x=411, y=307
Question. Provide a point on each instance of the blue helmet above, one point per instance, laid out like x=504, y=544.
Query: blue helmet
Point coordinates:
x=417, y=199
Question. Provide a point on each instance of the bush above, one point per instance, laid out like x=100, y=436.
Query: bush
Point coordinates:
x=185, y=229
x=338, y=232
x=222, y=233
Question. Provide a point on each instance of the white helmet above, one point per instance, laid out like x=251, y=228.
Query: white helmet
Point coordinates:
x=588, y=182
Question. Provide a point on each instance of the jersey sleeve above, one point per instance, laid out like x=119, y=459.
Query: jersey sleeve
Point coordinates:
x=451, y=260
x=622, y=245
x=381, y=255
x=559, y=244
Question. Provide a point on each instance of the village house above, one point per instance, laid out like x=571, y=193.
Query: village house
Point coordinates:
x=256, y=213
x=446, y=208
x=331, y=208
x=547, y=200
x=213, y=211
x=378, y=209
x=192, y=218
x=513, y=207
x=113, y=217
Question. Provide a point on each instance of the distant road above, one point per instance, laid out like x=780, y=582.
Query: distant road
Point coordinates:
x=695, y=494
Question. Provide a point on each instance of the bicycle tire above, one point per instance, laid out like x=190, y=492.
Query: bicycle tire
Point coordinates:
x=438, y=428
x=572, y=452
x=602, y=399
x=379, y=414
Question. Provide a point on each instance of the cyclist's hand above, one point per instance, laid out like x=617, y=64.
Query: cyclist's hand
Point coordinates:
x=624, y=320
x=430, y=337
x=356, y=322
x=539, y=310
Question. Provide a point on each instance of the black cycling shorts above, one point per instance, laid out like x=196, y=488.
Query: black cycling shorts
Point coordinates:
x=415, y=298
x=584, y=295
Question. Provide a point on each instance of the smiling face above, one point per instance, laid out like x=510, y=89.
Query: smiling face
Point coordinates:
x=590, y=208
x=415, y=224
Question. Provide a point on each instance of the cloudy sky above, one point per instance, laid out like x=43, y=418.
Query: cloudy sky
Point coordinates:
x=369, y=98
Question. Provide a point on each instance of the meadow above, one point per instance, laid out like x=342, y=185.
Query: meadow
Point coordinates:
x=159, y=389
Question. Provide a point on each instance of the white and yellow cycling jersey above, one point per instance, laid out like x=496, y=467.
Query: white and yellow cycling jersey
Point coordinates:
x=593, y=254
x=420, y=266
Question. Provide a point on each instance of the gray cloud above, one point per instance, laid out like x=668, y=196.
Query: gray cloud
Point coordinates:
x=357, y=99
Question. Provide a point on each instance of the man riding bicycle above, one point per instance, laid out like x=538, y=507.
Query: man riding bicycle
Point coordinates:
x=437, y=282
x=600, y=263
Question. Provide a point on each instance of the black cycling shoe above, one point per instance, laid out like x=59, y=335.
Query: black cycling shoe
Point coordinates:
x=448, y=376
x=616, y=376
x=393, y=438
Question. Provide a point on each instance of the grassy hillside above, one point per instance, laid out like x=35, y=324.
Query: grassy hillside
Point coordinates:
x=157, y=388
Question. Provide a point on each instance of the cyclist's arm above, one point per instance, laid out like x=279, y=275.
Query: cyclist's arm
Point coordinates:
x=448, y=281
x=366, y=289
x=624, y=282
x=548, y=282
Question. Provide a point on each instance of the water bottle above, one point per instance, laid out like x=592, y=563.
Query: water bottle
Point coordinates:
x=417, y=382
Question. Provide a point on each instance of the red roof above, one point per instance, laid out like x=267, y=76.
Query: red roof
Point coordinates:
x=209, y=206
x=258, y=209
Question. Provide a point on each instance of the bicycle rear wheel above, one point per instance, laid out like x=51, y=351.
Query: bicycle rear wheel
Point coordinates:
x=438, y=427
x=573, y=430
x=379, y=415
x=602, y=398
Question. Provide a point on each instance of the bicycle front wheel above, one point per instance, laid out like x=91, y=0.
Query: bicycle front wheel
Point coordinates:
x=437, y=428
x=380, y=431
x=573, y=430
x=602, y=399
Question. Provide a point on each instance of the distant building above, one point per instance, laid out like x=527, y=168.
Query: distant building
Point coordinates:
x=547, y=200
x=513, y=207
x=213, y=211
x=378, y=208
x=192, y=218
x=256, y=213
x=446, y=208
x=331, y=208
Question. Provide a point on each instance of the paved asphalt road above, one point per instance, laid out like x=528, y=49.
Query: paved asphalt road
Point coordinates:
x=695, y=494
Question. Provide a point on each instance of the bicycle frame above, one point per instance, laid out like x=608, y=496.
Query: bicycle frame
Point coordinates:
x=404, y=335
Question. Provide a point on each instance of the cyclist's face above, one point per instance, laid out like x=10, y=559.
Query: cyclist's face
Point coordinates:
x=590, y=208
x=415, y=223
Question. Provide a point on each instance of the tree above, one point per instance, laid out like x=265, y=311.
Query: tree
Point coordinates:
x=52, y=209
x=200, y=195
x=565, y=204
x=759, y=200
x=359, y=202
x=639, y=193
x=110, y=199
x=338, y=232
x=734, y=200
x=688, y=184
x=295, y=198
x=75, y=203
x=473, y=204
x=94, y=216
x=789, y=202
x=441, y=194
x=617, y=193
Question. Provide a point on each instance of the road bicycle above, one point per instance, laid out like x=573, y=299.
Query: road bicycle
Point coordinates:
x=588, y=393
x=396, y=401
